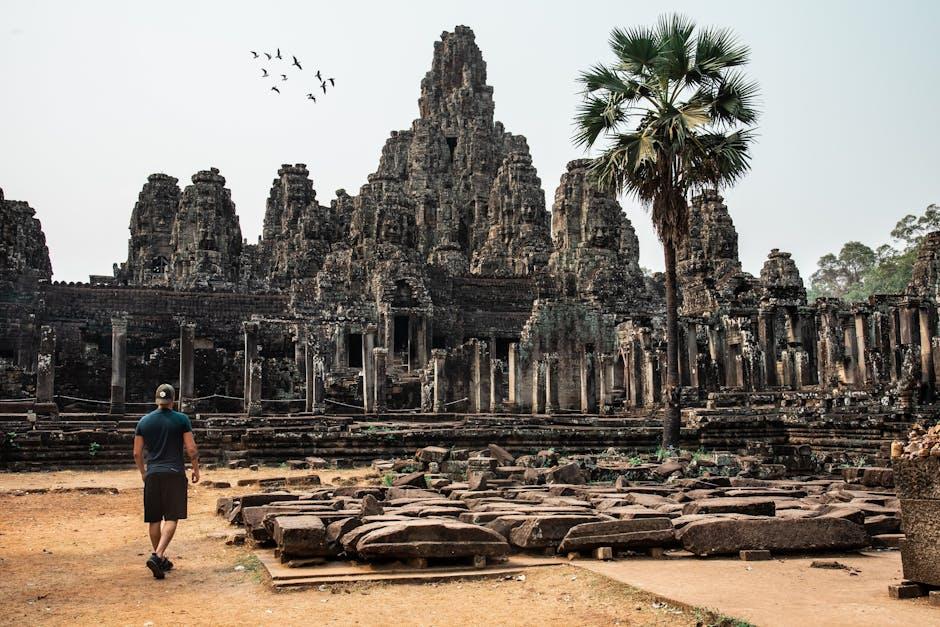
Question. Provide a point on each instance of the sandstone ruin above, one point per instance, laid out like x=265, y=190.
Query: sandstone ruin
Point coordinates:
x=445, y=303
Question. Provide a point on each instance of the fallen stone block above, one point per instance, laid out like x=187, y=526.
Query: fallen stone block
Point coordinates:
x=753, y=506
x=619, y=534
x=729, y=536
x=301, y=536
x=755, y=555
x=431, y=539
x=501, y=455
x=567, y=474
x=881, y=524
x=430, y=454
x=547, y=531
x=370, y=506
x=338, y=528
x=415, y=479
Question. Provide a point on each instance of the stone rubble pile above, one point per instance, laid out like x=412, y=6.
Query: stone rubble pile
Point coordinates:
x=512, y=504
x=921, y=442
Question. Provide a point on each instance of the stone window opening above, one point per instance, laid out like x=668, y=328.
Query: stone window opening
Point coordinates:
x=452, y=144
x=354, y=349
x=402, y=336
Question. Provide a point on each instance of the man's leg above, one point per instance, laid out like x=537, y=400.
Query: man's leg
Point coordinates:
x=169, y=528
x=154, y=534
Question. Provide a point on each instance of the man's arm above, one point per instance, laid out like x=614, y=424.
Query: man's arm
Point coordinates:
x=139, y=454
x=189, y=442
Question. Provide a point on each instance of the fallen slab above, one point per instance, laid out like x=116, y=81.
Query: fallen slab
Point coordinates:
x=431, y=539
x=729, y=536
x=639, y=533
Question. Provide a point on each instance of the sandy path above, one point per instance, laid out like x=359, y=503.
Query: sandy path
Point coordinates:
x=75, y=558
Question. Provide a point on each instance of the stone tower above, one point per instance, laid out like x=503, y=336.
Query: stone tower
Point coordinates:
x=150, y=249
x=206, y=239
x=593, y=239
x=23, y=251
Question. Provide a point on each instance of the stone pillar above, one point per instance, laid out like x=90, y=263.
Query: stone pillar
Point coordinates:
x=691, y=350
x=605, y=381
x=254, y=386
x=339, y=342
x=45, y=371
x=368, y=369
x=437, y=357
x=251, y=351
x=388, y=327
x=118, y=364
x=380, y=357
x=515, y=378
x=26, y=347
x=300, y=348
x=187, y=372
x=314, y=371
x=926, y=346
x=768, y=344
x=496, y=385
x=551, y=384
x=423, y=342
x=479, y=373
x=538, y=387
x=588, y=384
x=861, y=340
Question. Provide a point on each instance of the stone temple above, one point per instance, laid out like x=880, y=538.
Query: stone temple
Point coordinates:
x=445, y=302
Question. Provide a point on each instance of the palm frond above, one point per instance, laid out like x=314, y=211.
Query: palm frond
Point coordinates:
x=674, y=36
x=716, y=49
x=597, y=116
x=636, y=49
x=735, y=99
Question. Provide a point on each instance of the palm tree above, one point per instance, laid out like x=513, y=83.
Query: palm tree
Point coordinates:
x=675, y=114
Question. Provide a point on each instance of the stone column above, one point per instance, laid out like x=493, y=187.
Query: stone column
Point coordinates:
x=538, y=387
x=496, y=385
x=515, y=378
x=380, y=356
x=339, y=342
x=300, y=348
x=251, y=351
x=437, y=357
x=588, y=384
x=388, y=325
x=691, y=349
x=605, y=380
x=861, y=339
x=26, y=347
x=768, y=344
x=313, y=368
x=254, y=386
x=926, y=346
x=422, y=342
x=45, y=371
x=368, y=369
x=479, y=373
x=187, y=373
x=118, y=364
x=551, y=384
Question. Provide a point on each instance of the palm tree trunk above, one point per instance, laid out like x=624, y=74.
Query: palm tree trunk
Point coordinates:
x=671, y=420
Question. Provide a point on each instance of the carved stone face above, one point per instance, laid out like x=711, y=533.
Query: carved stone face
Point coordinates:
x=390, y=230
x=602, y=236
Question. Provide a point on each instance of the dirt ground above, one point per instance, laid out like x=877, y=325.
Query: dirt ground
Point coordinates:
x=78, y=558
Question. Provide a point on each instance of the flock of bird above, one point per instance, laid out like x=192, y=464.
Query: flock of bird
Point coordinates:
x=277, y=58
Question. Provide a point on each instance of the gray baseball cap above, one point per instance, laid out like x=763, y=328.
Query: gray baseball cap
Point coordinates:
x=165, y=393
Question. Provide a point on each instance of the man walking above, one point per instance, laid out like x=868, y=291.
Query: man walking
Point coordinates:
x=164, y=433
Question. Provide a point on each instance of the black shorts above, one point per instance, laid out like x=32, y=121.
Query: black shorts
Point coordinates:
x=165, y=496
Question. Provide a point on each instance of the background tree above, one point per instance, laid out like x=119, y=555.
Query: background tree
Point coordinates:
x=858, y=271
x=674, y=114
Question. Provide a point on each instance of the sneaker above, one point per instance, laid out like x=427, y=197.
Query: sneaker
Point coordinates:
x=167, y=564
x=156, y=567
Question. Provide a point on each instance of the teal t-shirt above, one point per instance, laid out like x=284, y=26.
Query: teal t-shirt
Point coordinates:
x=162, y=430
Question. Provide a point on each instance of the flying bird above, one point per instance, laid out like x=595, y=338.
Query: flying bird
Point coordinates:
x=276, y=89
x=268, y=55
x=283, y=77
x=311, y=97
x=278, y=55
x=254, y=53
x=297, y=63
x=265, y=75
x=323, y=87
x=332, y=82
x=319, y=78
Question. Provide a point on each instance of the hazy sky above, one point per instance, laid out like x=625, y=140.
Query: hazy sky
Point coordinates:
x=97, y=95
